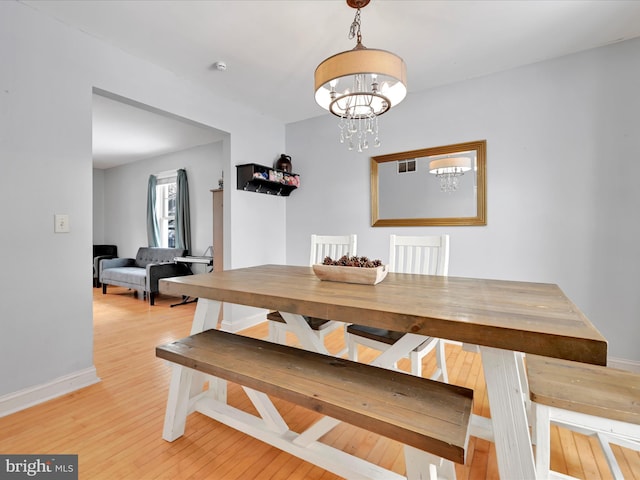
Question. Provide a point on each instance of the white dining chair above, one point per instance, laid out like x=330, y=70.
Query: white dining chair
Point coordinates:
x=427, y=255
x=334, y=246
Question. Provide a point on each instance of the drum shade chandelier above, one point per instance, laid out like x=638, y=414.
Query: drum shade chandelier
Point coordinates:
x=359, y=85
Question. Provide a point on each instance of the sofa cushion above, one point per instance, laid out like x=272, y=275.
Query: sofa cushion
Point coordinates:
x=128, y=275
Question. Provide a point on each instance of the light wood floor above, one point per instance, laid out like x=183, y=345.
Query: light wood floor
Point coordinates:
x=115, y=426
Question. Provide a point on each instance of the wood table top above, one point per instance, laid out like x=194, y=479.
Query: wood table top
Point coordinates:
x=527, y=317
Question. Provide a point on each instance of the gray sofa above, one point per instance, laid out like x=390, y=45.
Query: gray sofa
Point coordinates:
x=101, y=252
x=143, y=272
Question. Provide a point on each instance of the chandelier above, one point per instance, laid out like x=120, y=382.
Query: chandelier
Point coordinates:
x=449, y=170
x=359, y=85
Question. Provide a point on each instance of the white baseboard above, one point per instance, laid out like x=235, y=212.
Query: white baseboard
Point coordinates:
x=624, y=364
x=22, y=399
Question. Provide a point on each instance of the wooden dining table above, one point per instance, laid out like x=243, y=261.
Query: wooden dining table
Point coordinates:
x=503, y=318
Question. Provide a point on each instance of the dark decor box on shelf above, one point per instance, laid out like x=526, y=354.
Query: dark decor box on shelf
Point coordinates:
x=258, y=178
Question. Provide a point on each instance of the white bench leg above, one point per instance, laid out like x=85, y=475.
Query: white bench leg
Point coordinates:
x=421, y=465
x=541, y=438
x=186, y=383
x=611, y=459
x=315, y=431
x=178, y=403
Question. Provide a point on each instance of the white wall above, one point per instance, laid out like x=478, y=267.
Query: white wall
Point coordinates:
x=562, y=166
x=46, y=83
x=126, y=197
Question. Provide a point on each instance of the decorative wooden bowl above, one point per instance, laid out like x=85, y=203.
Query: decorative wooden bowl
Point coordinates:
x=362, y=275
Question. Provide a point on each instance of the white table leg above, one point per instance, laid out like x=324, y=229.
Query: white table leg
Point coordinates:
x=304, y=333
x=398, y=350
x=508, y=414
x=207, y=315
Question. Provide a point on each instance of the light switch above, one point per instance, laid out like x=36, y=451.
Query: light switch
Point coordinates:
x=61, y=223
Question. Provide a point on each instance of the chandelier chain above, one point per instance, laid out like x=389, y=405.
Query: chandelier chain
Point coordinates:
x=354, y=30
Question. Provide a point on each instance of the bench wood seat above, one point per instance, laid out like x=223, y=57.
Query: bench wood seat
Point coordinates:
x=589, y=399
x=418, y=412
x=585, y=388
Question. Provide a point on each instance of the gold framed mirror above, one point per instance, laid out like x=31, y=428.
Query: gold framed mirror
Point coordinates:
x=430, y=187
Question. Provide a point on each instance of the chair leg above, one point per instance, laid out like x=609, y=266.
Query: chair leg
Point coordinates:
x=352, y=348
x=151, y=298
x=277, y=332
x=272, y=332
x=104, y=288
x=416, y=363
x=441, y=361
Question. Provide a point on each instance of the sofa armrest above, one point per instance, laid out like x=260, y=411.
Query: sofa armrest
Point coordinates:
x=156, y=271
x=117, y=262
x=96, y=263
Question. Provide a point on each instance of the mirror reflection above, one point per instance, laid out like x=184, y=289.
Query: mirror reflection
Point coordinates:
x=432, y=186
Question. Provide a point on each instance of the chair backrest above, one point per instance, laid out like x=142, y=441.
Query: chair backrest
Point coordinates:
x=427, y=255
x=99, y=250
x=147, y=255
x=334, y=246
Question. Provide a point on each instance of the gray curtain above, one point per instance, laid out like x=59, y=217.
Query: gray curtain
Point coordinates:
x=153, y=229
x=183, y=217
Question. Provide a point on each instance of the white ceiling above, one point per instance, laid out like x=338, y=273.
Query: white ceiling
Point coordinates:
x=124, y=132
x=272, y=48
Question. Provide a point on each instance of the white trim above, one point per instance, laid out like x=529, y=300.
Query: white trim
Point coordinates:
x=236, y=324
x=28, y=397
x=624, y=364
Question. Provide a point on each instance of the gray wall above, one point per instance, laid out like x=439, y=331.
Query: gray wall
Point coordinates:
x=562, y=168
x=125, y=197
x=47, y=79
x=98, y=207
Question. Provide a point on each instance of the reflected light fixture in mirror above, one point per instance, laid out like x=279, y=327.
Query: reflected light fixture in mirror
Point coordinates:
x=448, y=171
x=404, y=197
x=359, y=85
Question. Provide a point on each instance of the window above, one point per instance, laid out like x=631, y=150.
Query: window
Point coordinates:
x=166, y=210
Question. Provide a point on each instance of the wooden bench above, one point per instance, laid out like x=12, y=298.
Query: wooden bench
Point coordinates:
x=424, y=415
x=589, y=399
